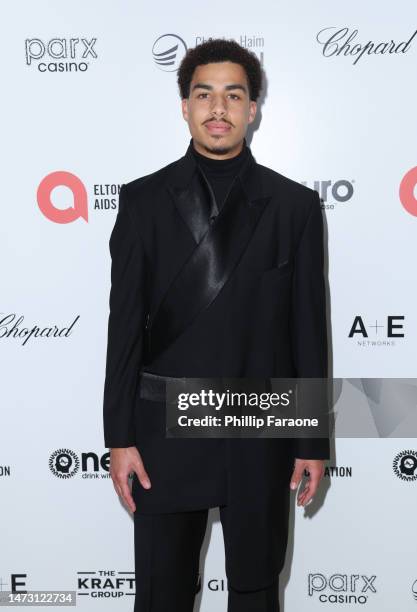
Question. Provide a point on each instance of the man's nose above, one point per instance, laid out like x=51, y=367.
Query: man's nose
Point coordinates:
x=219, y=106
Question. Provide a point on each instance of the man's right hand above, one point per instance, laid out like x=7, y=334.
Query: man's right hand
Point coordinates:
x=123, y=461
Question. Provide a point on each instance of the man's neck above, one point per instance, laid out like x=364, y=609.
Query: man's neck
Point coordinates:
x=219, y=155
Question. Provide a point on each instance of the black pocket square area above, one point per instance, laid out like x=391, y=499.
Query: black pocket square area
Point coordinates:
x=282, y=263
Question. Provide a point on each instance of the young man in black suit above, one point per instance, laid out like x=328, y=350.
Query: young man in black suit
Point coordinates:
x=217, y=271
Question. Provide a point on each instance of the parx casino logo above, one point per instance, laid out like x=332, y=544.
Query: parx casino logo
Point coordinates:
x=60, y=54
x=341, y=588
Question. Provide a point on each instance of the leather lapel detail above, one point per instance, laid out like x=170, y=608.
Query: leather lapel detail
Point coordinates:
x=220, y=247
x=196, y=204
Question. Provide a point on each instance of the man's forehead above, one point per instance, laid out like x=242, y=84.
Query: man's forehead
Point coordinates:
x=220, y=73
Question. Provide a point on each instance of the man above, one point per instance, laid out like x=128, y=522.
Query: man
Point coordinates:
x=217, y=271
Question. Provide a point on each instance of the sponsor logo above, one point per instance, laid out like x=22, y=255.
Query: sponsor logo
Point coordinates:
x=377, y=333
x=9, y=327
x=332, y=192
x=341, y=588
x=65, y=463
x=60, y=54
x=407, y=191
x=168, y=51
x=105, y=584
x=405, y=465
x=342, y=41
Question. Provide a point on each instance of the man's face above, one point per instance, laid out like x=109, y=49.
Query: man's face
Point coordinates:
x=218, y=109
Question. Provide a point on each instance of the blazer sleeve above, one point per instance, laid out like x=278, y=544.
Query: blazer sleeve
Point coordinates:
x=125, y=328
x=309, y=328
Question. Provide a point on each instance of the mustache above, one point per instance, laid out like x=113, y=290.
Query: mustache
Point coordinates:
x=217, y=121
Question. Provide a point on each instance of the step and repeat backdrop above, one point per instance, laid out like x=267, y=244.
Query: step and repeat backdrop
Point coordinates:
x=90, y=101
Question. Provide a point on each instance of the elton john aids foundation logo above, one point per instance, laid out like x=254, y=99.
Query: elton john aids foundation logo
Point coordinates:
x=168, y=51
x=78, y=205
x=408, y=194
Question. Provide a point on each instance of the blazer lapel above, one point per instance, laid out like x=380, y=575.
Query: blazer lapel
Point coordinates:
x=219, y=244
x=195, y=203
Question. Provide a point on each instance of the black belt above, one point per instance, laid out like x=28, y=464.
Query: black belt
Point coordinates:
x=153, y=386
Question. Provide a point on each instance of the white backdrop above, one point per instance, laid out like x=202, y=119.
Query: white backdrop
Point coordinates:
x=79, y=120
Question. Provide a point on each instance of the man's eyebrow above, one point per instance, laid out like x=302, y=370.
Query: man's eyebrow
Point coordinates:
x=227, y=87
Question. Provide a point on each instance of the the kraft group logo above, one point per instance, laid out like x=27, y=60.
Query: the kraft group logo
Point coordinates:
x=78, y=208
x=47, y=55
x=105, y=584
x=168, y=51
x=407, y=191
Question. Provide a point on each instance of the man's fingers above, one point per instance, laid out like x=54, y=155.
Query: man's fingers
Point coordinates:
x=126, y=495
x=124, y=492
x=296, y=476
x=310, y=488
x=116, y=487
x=304, y=496
x=124, y=461
x=143, y=476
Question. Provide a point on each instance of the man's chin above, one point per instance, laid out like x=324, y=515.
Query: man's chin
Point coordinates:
x=218, y=147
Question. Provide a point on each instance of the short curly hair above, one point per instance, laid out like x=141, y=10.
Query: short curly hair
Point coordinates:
x=220, y=50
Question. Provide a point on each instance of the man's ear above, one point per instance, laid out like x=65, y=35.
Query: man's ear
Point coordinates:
x=252, y=110
x=184, y=108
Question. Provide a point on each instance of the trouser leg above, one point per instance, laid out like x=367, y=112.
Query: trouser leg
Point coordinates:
x=167, y=553
x=262, y=600
x=246, y=597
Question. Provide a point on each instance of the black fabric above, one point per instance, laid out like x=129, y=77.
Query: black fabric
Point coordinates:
x=253, y=307
x=209, y=266
x=221, y=172
x=167, y=549
x=167, y=552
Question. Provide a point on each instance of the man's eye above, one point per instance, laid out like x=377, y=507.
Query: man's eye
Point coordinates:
x=233, y=96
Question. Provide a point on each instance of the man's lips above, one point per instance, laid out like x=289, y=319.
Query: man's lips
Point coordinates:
x=217, y=127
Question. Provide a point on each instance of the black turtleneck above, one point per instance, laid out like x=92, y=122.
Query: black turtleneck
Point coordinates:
x=221, y=172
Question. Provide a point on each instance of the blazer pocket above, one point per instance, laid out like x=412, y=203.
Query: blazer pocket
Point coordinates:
x=281, y=270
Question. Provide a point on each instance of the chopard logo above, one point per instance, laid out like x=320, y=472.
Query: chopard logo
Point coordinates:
x=342, y=41
x=11, y=327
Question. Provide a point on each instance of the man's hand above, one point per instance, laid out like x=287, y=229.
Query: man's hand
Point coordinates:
x=123, y=461
x=316, y=469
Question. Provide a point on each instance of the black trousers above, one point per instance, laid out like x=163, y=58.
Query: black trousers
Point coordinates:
x=167, y=553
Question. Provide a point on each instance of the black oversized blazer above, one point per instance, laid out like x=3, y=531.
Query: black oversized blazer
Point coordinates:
x=241, y=296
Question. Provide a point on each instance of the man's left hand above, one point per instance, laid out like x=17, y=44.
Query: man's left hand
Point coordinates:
x=316, y=469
